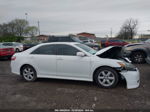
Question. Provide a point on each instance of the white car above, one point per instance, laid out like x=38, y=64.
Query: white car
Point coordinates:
x=18, y=47
x=75, y=61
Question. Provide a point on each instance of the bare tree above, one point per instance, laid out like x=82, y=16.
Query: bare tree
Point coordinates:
x=4, y=29
x=31, y=30
x=128, y=29
x=18, y=26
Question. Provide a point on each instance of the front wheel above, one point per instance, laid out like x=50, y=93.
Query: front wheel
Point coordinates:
x=106, y=77
x=28, y=73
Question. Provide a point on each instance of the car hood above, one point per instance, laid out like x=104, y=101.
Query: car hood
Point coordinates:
x=103, y=50
x=111, y=52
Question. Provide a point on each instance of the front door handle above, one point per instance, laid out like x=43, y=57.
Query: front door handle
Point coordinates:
x=31, y=57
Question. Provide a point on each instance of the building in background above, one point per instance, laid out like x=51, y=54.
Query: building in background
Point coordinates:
x=145, y=36
x=86, y=36
x=42, y=38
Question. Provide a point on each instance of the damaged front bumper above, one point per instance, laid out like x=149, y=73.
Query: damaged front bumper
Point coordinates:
x=132, y=78
x=148, y=60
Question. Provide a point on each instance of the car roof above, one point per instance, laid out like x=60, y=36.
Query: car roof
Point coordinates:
x=69, y=43
x=59, y=36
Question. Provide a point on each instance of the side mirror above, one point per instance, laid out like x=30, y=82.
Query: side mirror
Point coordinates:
x=81, y=54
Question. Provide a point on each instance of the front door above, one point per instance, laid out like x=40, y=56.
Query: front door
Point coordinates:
x=71, y=65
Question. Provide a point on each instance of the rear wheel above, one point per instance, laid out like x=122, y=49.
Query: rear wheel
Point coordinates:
x=28, y=73
x=17, y=50
x=106, y=77
x=138, y=57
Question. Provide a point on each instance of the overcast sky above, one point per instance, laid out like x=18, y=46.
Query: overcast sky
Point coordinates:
x=75, y=16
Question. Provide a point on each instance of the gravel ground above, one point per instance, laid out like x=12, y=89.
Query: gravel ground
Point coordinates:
x=15, y=93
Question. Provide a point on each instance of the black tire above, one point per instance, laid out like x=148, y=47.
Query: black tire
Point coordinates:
x=112, y=77
x=28, y=73
x=138, y=57
x=17, y=50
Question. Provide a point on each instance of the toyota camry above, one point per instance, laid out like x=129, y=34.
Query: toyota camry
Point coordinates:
x=75, y=61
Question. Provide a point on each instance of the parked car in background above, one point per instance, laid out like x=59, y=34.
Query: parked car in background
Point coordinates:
x=75, y=61
x=28, y=45
x=102, y=42
x=85, y=39
x=18, y=47
x=6, y=52
x=138, y=52
x=72, y=39
x=113, y=42
x=147, y=41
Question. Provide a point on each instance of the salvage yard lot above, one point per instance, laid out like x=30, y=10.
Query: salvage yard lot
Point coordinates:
x=15, y=93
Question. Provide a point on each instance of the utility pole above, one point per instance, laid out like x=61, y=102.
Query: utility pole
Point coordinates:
x=39, y=27
x=26, y=14
x=110, y=32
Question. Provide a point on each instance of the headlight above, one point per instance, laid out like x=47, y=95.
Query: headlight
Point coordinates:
x=122, y=64
x=127, y=66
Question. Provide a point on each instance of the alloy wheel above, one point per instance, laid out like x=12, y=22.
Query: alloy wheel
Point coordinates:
x=106, y=78
x=28, y=73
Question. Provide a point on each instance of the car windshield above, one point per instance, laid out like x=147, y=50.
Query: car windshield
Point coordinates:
x=86, y=48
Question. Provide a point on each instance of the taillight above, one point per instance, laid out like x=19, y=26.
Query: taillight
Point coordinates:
x=13, y=58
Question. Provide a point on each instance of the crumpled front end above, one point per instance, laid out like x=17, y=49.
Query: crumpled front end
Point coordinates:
x=148, y=60
x=132, y=78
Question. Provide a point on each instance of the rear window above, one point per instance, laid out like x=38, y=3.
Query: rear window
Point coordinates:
x=52, y=39
x=60, y=39
x=65, y=39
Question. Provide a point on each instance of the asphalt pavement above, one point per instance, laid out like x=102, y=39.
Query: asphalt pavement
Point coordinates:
x=15, y=93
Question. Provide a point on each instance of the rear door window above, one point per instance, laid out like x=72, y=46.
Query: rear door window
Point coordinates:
x=45, y=50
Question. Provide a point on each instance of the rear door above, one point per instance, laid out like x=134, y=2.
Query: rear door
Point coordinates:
x=44, y=58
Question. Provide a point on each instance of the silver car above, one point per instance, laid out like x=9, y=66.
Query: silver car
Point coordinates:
x=138, y=52
x=18, y=47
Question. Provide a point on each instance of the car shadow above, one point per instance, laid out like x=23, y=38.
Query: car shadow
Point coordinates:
x=73, y=83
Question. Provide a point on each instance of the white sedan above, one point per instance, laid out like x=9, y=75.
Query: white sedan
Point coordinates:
x=18, y=47
x=74, y=61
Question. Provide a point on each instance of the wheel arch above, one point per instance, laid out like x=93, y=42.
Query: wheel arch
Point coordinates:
x=103, y=67
x=27, y=65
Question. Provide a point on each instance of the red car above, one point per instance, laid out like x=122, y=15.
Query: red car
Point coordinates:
x=115, y=42
x=6, y=52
